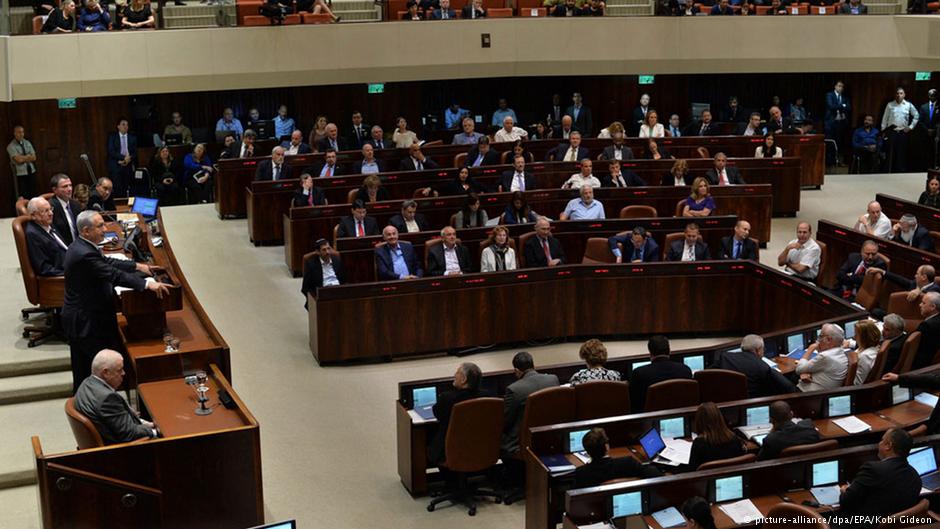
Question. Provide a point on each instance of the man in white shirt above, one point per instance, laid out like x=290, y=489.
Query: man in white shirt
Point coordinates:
x=828, y=368
x=449, y=257
x=510, y=132
x=585, y=207
x=801, y=255
x=901, y=116
x=585, y=177
x=874, y=223
x=567, y=127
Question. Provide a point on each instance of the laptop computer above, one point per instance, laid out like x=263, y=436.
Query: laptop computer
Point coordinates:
x=423, y=400
x=173, y=139
x=925, y=463
x=652, y=443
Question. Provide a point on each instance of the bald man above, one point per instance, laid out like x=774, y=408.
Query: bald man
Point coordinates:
x=102, y=196
x=97, y=398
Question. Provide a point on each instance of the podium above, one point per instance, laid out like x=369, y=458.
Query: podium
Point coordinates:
x=146, y=313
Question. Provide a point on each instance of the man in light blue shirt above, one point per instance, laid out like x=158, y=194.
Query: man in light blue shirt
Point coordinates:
x=502, y=112
x=453, y=115
x=229, y=123
x=585, y=207
x=468, y=136
x=283, y=125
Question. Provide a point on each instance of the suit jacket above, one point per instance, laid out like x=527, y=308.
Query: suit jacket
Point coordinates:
x=110, y=413
x=833, y=106
x=762, y=380
x=437, y=265
x=748, y=249
x=920, y=240
x=386, y=269
x=453, y=187
x=559, y=152
x=303, y=148
x=399, y=222
x=106, y=205
x=347, y=227
x=625, y=154
x=597, y=472
x=465, y=12
x=442, y=410
x=734, y=176
x=584, y=123
x=514, y=405
x=929, y=342
x=313, y=275
x=490, y=158
x=733, y=116
x=114, y=152
x=234, y=151
x=45, y=253
x=894, y=352
x=881, y=488
x=637, y=119
x=790, y=434
x=301, y=200
x=535, y=255
x=90, y=279
x=408, y=164
x=785, y=126
x=315, y=169
x=847, y=278
x=742, y=127
x=59, y=221
x=925, y=115
x=650, y=248
x=695, y=129
x=505, y=181
x=847, y=9
x=357, y=167
x=386, y=144
x=659, y=370
x=356, y=141
x=436, y=14
x=265, y=171
x=928, y=381
x=324, y=144
x=630, y=178
x=677, y=247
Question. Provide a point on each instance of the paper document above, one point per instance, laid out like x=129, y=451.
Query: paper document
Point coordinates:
x=663, y=461
x=582, y=456
x=852, y=424
x=678, y=450
x=417, y=418
x=117, y=256
x=750, y=432
x=741, y=512
x=771, y=363
x=670, y=517
x=828, y=495
x=927, y=398
x=598, y=525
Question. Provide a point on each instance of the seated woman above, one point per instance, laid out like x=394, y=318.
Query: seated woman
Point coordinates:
x=698, y=512
x=197, y=174
x=679, y=174
x=594, y=354
x=931, y=197
x=137, y=16
x=498, y=256
x=653, y=152
x=94, y=17
x=403, y=137
x=166, y=172
x=412, y=12
x=371, y=190
x=62, y=19
x=867, y=340
x=318, y=132
x=519, y=149
x=471, y=216
x=603, y=468
x=518, y=211
x=611, y=129
x=462, y=184
x=700, y=203
x=308, y=194
x=82, y=195
x=769, y=149
x=543, y=131
x=715, y=440
x=651, y=127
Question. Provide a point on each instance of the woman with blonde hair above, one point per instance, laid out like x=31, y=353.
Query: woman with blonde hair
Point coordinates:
x=498, y=255
x=680, y=173
x=612, y=129
x=867, y=340
x=700, y=203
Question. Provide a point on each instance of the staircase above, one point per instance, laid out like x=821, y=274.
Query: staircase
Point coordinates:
x=357, y=10
x=629, y=8
x=199, y=15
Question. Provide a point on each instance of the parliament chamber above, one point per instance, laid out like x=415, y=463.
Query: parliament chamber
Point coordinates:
x=266, y=290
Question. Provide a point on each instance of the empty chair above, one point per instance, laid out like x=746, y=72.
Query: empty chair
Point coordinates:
x=898, y=304
x=740, y=460
x=86, y=435
x=672, y=394
x=822, y=259
x=810, y=519
x=877, y=369
x=703, y=152
x=721, y=385
x=868, y=294
x=850, y=374
x=603, y=398
x=935, y=235
x=812, y=448
x=638, y=212
x=597, y=251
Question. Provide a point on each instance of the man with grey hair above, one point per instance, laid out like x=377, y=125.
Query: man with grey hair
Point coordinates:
x=852, y=272
x=468, y=136
x=826, y=370
x=466, y=386
x=762, y=380
x=929, y=330
x=97, y=398
x=510, y=132
x=409, y=220
x=274, y=168
x=450, y=257
x=88, y=314
x=378, y=140
x=908, y=232
x=874, y=223
x=45, y=247
x=893, y=331
x=543, y=249
x=332, y=140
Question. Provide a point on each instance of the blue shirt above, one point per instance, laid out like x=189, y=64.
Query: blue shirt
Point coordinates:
x=234, y=125
x=862, y=138
x=578, y=210
x=708, y=203
x=452, y=119
x=500, y=115
x=464, y=139
x=398, y=262
x=283, y=126
x=369, y=168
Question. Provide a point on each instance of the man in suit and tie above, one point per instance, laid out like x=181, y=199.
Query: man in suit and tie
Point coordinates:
x=660, y=369
x=617, y=178
x=296, y=145
x=358, y=224
x=908, y=231
x=543, y=249
x=762, y=380
x=922, y=283
x=571, y=151
x=929, y=330
x=327, y=168
x=481, y=154
x=322, y=270
x=836, y=119
x=580, y=115
x=639, y=114
x=102, y=198
x=555, y=112
x=637, y=244
x=445, y=12
x=88, y=314
x=359, y=132
x=618, y=150
x=567, y=127
x=122, y=157
x=673, y=128
x=894, y=331
x=378, y=139
x=416, y=160
x=739, y=245
x=64, y=208
x=689, y=248
x=777, y=124
x=517, y=179
x=852, y=273
x=930, y=117
x=752, y=127
x=409, y=220
x=704, y=127
x=722, y=175
x=396, y=259
x=243, y=149
x=473, y=10
x=98, y=399
x=466, y=386
x=450, y=257
x=785, y=432
x=332, y=140
x=46, y=248
x=273, y=169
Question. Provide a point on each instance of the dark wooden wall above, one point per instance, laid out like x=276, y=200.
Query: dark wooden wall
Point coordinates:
x=60, y=136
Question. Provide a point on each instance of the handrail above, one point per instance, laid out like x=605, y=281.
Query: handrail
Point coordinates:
x=104, y=480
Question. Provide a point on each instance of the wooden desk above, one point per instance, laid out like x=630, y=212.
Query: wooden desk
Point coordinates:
x=895, y=207
x=172, y=403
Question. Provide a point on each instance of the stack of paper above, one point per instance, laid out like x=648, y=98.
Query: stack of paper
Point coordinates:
x=582, y=456
x=670, y=517
x=677, y=452
x=598, y=525
x=771, y=363
x=750, y=432
x=826, y=495
x=927, y=398
x=741, y=512
x=852, y=424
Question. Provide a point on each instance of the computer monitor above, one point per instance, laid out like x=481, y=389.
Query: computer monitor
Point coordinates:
x=838, y=405
x=850, y=330
x=263, y=128
x=173, y=139
x=757, y=415
x=795, y=342
x=770, y=348
x=899, y=395
x=672, y=428
x=423, y=397
x=288, y=524
x=641, y=363
x=824, y=473
x=575, y=439
x=730, y=488
x=652, y=443
x=695, y=362
x=923, y=460
x=627, y=504
x=145, y=206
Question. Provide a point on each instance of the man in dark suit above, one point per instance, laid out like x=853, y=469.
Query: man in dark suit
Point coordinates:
x=777, y=124
x=580, y=115
x=528, y=381
x=396, y=259
x=762, y=380
x=473, y=10
x=617, y=178
x=884, y=487
x=617, y=151
x=358, y=224
x=444, y=12
x=739, y=245
x=482, y=154
x=908, y=232
x=926, y=381
x=88, y=314
x=97, y=398
x=416, y=160
x=785, y=432
x=243, y=149
x=603, y=468
x=922, y=283
x=566, y=9
x=323, y=270
x=543, y=249
x=836, y=119
x=122, y=157
x=639, y=115
x=929, y=330
x=409, y=220
x=378, y=141
x=274, y=168
x=852, y=272
x=638, y=245
x=296, y=145
x=571, y=151
x=894, y=332
x=722, y=174
x=517, y=179
x=723, y=7
x=332, y=140
x=690, y=248
x=369, y=163
x=704, y=127
x=555, y=112
x=46, y=248
x=660, y=369
x=732, y=112
x=64, y=208
x=358, y=132
x=102, y=196
x=466, y=386
x=439, y=263
x=854, y=7
x=929, y=118
x=326, y=168
x=752, y=127
x=566, y=128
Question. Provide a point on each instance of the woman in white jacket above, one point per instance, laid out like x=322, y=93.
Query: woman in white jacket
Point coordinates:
x=498, y=256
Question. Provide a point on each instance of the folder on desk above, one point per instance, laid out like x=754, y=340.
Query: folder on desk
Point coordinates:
x=852, y=424
x=771, y=363
x=557, y=463
x=798, y=353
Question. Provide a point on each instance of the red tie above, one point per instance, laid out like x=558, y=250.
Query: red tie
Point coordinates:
x=861, y=268
x=724, y=178
x=310, y=198
x=359, y=230
x=548, y=253
x=329, y=171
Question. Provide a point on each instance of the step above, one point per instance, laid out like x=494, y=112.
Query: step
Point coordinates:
x=20, y=507
x=45, y=419
x=36, y=366
x=35, y=387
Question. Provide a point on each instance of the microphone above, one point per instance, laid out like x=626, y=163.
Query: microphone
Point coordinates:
x=97, y=207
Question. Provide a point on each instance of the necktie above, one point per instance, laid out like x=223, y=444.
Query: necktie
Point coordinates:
x=444, y=15
x=277, y=172
x=68, y=216
x=418, y=165
x=931, y=112
x=737, y=250
x=521, y=181
x=329, y=171
x=57, y=238
x=702, y=132
x=619, y=181
x=690, y=253
x=359, y=231
x=310, y=198
x=637, y=254
x=123, y=144
x=861, y=268
x=478, y=161
x=572, y=153
x=380, y=145
x=724, y=178
x=548, y=253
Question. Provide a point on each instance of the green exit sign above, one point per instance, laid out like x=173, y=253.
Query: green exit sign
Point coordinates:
x=68, y=103
x=376, y=88
x=921, y=76
x=647, y=79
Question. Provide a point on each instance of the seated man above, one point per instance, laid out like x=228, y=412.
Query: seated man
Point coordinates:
x=102, y=196
x=450, y=257
x=852, y=273
x=396, y=259
x=641, y=248
x=929, y=330
x=566, y=9
x=660, y=369
x=922, y=283
x=616, y=178
x=762, y=380
x=584, y=177
x=723, y=7
x=97, y=398
x=785, y=432
x=468, y=136
x=528, y=381
x=510, y=132
x=571, y=151
x=585, y=207
x=567, y=128
x=828, y=368
x=243, y=149
x=176, y=127
x=466, y=386
x=444, y=13
x=801, y=255
x=378, y=141
x=296, y=144
x=894, y=331
x=739, y=245
x=332, y=140
x=357, y=224
x=273, y=169
x=327, y=168
x=908, y=232
x=885, y=487
x=409, y=220
x=690, y=248
x=875, y=223
x=704, y=127
x=618, y=150
x=722, y=175
x=543, y=249
x=866, y=144
x=778, y=125
x=517, y=179
x=604, y=468
x=323, y=270
x=854, y=7
x=368, y=164
x=481, y=154
x=416, y=160
x=46, y=248
x=228, y=123
x=752, y=127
